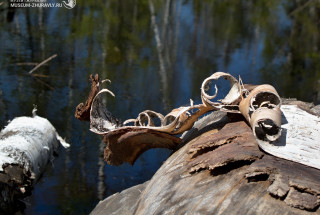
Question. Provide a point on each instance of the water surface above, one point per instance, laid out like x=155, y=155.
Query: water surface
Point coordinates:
x=156, y=53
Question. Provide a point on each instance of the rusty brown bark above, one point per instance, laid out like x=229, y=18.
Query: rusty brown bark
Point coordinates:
x=83, y=109
x=126, y=145
x=259, y=105
x=222, y=171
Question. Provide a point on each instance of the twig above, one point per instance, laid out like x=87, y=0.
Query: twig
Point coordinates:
x=42, y=82
x=300, y=8
x=27, y=64
x=39, y=75
x=43, y=62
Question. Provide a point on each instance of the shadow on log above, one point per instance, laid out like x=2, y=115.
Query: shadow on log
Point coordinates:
x=221, y=171
x=223, y=167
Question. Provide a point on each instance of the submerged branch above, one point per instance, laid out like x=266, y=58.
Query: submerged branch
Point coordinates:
x=42, y=63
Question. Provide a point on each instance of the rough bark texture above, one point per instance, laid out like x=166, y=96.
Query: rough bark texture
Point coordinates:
x=227, y=147
x=223, y=171
x=15, y=183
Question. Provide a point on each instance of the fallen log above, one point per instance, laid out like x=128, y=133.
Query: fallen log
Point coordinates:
x=27, y=144
x=221, y=170
x=220, y=156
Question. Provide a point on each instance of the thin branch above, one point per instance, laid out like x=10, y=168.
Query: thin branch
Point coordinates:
x=298, y=9
x=42, y=82
x=40, y=75
x=43, y=62
x=27, y=64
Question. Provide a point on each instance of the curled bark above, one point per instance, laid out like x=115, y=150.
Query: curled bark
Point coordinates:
x=299, y=140
x=261, y=108
x=177, y=121
x=83, y=110
x=229, y=103
x=101, y=120
x=243, y=181
x=260, y=105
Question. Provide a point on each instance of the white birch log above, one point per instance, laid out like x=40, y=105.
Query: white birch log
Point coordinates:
x=300, y=137
x=27, y=144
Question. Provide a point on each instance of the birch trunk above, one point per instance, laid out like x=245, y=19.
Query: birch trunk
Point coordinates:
x=27, y=144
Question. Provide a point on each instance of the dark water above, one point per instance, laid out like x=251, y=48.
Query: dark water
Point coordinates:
x=157, y=54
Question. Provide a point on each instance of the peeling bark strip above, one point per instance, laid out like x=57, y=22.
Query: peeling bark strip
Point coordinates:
x=177, y=121
x=268, y=185
x=27, y=144
x=83, y=110
x=230, y=102
x=300, y=139
x=127, y=144
x=261, y=108
x=260, y=105
x=101, y=120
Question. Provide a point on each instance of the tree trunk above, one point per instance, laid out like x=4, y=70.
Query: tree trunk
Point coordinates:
x=27, y=144
x=221, y=170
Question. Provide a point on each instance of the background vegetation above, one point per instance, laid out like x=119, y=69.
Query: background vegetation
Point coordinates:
x=156, y=53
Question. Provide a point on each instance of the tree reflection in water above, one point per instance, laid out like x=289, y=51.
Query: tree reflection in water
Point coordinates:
x=156, y=53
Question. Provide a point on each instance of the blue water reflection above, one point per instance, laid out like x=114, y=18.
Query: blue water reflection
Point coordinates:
x=265, y=41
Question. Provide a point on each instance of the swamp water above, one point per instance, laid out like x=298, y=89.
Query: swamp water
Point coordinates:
x=156, y=53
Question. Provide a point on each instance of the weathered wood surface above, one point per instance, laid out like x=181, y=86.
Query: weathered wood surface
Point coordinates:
x=127, y=144
x=121, y=203
x=222, y=171
x=27, y=144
